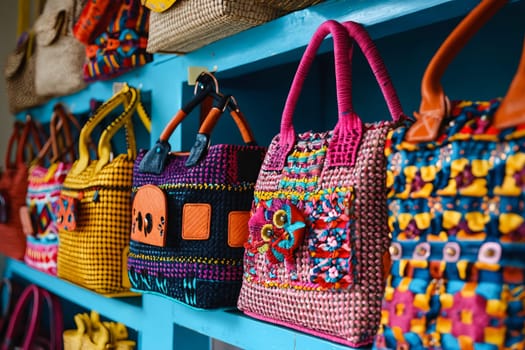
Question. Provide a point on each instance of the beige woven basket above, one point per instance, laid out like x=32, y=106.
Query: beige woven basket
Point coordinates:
x=191, y=24
x=289, y=6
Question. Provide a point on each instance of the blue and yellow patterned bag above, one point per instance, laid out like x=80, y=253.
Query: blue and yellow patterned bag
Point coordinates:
x=456, y=204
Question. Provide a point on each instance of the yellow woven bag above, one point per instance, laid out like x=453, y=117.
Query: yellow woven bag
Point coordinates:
x=94, y=210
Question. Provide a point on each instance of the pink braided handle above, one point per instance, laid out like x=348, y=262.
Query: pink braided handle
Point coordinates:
x=348, y=131
x=369, y=49
x=342, y=46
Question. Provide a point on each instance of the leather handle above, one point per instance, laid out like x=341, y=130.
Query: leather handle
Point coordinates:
x=215, y=113
x=30, y=140
x=511, y=112
x=67, y=120
x=61, y=142
x=210, y=120
x=14, y=141
x=434, y=103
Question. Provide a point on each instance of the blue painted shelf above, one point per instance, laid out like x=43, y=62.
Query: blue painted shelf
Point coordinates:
x=153, y=317
x=258, y=65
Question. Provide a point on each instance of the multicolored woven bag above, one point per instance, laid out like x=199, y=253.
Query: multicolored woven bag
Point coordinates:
x=318, y=231
x=190, y=215
x=121, y=45
x=24, y=144
x=456, y=211
x=94, y=209
x=43, y=191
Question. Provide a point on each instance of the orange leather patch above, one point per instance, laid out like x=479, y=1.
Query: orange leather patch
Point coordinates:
x=196, y=220
x=150, y=217
x=238, y=228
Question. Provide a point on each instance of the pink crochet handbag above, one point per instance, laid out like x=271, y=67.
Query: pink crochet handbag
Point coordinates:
x=318, y=228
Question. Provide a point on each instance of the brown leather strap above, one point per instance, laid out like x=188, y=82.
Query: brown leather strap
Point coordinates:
x=63, y=125
x=30, y=141
x=12, y=145
x=511, y=112
x=434, y=104
x=60, y=144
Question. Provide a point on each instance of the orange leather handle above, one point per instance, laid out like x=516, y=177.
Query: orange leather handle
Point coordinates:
x=213, y=117
x=60, y=142
x=435, y=104
x=12, y=145
x=30, y=140
x=209, y=123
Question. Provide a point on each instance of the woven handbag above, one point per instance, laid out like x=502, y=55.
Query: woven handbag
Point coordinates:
x=94, y=209
x=190, y=215
x=19, y=70
x=456, y=211
x=25, y=327
x=46, y=177
x=58, y=64
x=121, y=44
x=186, y=25
x=318, y=230
x=24, y=144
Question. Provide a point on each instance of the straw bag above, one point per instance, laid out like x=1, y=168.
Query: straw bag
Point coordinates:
x=24, y=144
x=58, y=65
x=25, y=328
x=94, y=209
x=190, y=214
x=318, y=231
x=19, y=70
x=46, y=177
x=456, y=210
x=186, y=25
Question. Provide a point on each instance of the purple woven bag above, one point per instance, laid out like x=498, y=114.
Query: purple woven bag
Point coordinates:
x=190, y=215
x=318, y=232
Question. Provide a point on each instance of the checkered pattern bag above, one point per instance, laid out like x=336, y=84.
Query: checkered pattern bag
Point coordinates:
x=318, y=230
x=456, y=181
x=94, y=210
